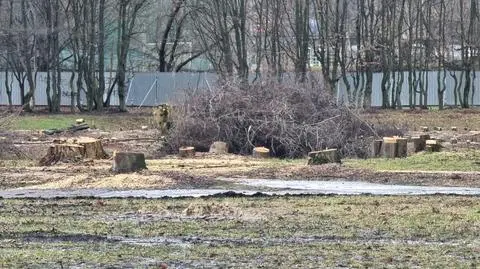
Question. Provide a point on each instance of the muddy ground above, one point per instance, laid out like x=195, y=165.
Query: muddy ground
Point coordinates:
x=279, y=232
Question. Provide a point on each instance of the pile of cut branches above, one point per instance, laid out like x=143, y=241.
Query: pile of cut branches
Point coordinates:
x=290, y=119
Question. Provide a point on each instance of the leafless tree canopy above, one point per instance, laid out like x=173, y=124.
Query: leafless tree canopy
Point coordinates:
x=344, y=40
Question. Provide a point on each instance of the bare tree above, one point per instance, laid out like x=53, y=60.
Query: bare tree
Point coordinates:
x=128, y=11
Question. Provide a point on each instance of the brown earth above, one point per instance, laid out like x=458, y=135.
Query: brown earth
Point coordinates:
x=26, y=147
x=204, y=171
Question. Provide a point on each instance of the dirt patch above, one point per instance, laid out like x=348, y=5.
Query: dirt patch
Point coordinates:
x=202, y=172
x=93, y=175
x=335, y=172
x=211, y=210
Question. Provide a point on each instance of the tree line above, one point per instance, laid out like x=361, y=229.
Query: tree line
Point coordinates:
x=345, y=40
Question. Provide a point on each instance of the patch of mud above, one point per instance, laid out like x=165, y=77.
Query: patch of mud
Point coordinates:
x=212, y=210
x=190, y=241
x=45, y=237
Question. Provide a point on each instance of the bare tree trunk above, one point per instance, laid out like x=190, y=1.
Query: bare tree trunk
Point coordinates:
x=127, y=16
x=101, y=56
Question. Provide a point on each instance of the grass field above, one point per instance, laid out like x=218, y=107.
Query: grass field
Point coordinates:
x=465, y=161
x=413, y=120
x=298, y=232
x=408, y=119
x=106, y=122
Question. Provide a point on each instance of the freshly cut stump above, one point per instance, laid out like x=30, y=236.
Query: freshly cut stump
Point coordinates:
x=402, y=147
x=261, y=152
x=323, y=157
x=127, y=162
x=186, y=152
x=418, y=144
x=390, y=148
x=219, y=147
x=73, y=150
x=433, y=146
x=62, y=152
x=93, y=148
x=377, y=148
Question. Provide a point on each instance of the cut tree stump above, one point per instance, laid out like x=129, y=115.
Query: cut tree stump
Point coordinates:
x=127, y=162
x=73, y=150
x=390, y=147
x=261, y=152
x=433, y=146
x=418, y=144
x=93, y=148
x=377, y=148
x=186, y=152
x=324, y=157
x=219, y=147
x=402, y=147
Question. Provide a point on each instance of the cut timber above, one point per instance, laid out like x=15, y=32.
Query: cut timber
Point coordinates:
x=377, y=148
x=323, y=157
x=261, y=152
x=219, y=147
x=78, y=127
x=402, y=147
x=127, y=162
x=79, y=121
x=389, y=147
x=433, y=146
x=73, y=150
x=186, y=152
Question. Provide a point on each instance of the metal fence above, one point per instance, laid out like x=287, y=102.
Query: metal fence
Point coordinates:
x=430, y=82
x=150, y=89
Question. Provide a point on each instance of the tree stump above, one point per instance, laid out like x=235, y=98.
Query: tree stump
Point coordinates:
x=418, y=144
x=323, y=157
x=127, y=162
x=389, y=147
x=402, y=147
x=73, y=150
x=433, y=146
x=261, y=152
x=186, y=152
x=92, y=148
x=219, y=147
x=377, y=148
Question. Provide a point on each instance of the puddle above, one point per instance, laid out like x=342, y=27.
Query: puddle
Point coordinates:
x=356, y=188
x=254, y=188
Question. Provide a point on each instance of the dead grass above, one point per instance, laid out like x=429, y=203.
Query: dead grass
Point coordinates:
x=285, y=232
x=106, y=122
x=461, y=161
x=413, y=120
